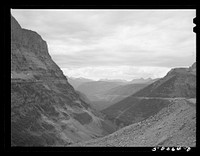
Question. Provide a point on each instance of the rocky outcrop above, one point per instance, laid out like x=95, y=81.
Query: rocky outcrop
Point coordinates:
x=45, y=108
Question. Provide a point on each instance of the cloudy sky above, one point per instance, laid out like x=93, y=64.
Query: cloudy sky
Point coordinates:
x=115, y=44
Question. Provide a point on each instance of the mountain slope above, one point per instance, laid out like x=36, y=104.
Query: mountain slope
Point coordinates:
x=104, y=94
x=142, y=80
x=45, y=108
x=126, y=90
x=178, y=83
x=97, y=87
x=75, y=82
x=174, y=125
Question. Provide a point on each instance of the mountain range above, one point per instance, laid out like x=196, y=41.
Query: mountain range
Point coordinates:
x=178, y=83
x=75, y=82
x=104, y=93
x=155, y=117
x=46, y=110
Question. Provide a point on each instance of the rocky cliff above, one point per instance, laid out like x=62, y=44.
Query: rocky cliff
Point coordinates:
x=45, y=108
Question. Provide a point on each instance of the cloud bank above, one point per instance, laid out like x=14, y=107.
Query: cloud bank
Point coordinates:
x=115, y=43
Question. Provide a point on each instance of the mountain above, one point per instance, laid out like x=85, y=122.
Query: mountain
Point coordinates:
x=116, y=94
x=103, y=94
x=142, y=80
x=126, y=90
x=172, y=126
x=95, y=92
x=178, y=83
x=75, y=82
x=114, y=80
x=91, y=89
x=45, y=108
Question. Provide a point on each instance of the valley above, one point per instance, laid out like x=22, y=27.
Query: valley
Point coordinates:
x=51, y=109
x=103, y=94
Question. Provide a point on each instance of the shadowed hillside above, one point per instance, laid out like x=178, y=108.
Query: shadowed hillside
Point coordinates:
x=174, y=125
x=103, y=94
x=178, y=83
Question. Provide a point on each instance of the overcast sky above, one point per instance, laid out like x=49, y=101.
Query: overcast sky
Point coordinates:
x=115, y=44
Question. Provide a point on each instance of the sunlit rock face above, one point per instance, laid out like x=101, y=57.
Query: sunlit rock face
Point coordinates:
x=45, y=108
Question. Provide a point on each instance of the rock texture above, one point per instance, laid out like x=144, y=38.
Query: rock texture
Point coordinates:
x=174, y=125
x=45, y=108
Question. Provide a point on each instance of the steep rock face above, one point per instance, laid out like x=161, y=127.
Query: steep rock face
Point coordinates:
x=45, y=108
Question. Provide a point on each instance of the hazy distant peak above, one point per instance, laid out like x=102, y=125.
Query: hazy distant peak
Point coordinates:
x=141, y=80
x=80, y=78
x=113, y=80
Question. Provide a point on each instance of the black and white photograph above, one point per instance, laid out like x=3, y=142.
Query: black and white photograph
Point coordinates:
x=103, y=78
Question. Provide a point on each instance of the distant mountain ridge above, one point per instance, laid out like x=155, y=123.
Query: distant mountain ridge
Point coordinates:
x=90, y=88
x=106, y=92
x=161, y=114
x=179, y=82
x=76, y=82
x=142, y=80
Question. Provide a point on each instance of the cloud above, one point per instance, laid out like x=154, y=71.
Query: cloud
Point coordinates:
x=92, y=39
x=117, y=72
